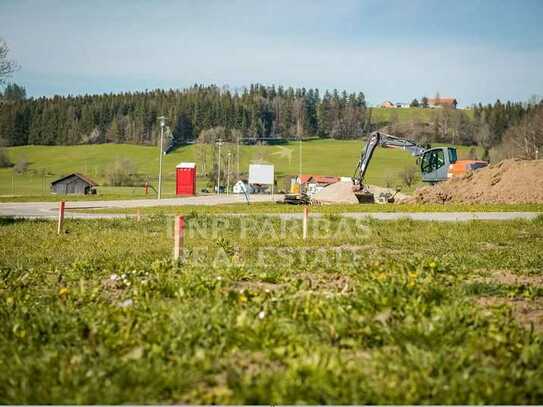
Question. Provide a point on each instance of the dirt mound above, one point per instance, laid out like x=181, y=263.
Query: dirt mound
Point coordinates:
x=509, y=181
x=342, y=192
x=381, y=192
x=339, y=192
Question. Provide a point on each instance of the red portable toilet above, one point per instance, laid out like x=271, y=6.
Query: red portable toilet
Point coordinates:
x=185, y=179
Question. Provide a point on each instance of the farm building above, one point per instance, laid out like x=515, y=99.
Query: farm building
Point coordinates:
x=315, y=183
x=74, y=184
x=387, y=104
x=443, y=102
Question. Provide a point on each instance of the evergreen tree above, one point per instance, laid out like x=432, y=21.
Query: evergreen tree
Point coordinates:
x=183, y=131
x=14, y=93
x=424, y=102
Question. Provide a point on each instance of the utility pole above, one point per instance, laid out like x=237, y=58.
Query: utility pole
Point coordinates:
x=239, y=136
x=300, y=163
x=162, y=124
x=219, y=143
x=228, y=174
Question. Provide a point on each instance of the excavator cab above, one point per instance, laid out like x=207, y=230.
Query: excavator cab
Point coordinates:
x=435, y=162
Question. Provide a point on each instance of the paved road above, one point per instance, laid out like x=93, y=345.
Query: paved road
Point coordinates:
x=48, y=209
x=428, y=216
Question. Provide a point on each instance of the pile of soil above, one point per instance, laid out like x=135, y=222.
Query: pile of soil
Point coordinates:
x=382, y=191
x=342, y=193
x=339, y=192
x=509, y=181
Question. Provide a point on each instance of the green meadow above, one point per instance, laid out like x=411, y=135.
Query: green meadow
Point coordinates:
x=322, y=157
x=363, y=312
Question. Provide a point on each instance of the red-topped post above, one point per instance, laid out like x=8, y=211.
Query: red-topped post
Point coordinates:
x=179, y=237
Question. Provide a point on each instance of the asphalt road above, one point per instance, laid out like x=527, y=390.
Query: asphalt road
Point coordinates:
x=49, y=209
x=430, y=216
x=32, y=210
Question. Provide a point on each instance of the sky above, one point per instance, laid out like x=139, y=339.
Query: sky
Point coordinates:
x=473, y=50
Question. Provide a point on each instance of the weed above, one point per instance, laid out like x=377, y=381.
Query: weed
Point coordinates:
x=102, y=315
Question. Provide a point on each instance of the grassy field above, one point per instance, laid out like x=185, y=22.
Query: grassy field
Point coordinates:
x=362, y=312
x=265, y=208
x=323, y=157
x=383, y=116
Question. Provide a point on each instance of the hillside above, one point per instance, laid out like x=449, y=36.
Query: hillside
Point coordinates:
x=384, y=116
x=326, y=157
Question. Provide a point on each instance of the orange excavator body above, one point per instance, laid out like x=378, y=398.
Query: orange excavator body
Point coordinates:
x=461, y=167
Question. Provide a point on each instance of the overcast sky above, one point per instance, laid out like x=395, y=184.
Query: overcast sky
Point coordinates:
x=476, y=51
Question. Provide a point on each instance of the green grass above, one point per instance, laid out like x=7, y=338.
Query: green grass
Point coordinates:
x=362, y=312
x=383, y=115
x=323, y=157
x=264, y=208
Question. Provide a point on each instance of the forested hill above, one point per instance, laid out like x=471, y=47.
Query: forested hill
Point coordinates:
x=258, y=111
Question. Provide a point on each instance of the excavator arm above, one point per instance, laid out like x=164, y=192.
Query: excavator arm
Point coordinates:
x=387, y=141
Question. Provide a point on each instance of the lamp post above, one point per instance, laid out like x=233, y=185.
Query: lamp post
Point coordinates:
x=219, y=143
x=162, y=124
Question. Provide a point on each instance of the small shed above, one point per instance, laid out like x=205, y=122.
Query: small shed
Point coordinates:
x=74, y=184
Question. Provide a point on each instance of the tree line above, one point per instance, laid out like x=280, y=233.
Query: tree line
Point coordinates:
x=494, y=127
x=258, y=112
x=253, y=114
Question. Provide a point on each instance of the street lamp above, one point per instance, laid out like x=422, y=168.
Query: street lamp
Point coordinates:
x=162, y=120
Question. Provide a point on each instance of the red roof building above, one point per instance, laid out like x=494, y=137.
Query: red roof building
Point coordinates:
x=319, y=179
x=443, y=102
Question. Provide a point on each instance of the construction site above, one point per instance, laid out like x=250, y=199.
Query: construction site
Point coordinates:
x=512, y=181
x=271, y=203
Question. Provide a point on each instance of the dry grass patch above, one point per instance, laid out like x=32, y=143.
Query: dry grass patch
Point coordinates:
x=328, y=282
x=505, y=277
x=257, y=286
x=527, y=313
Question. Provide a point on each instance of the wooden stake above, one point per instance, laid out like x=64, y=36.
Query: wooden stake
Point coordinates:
x=179, y=235
x=138, y=215
x=306, y=215
x=60, y=216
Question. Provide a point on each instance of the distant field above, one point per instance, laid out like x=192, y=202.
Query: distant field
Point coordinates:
x=382, y=115
x=324, y=157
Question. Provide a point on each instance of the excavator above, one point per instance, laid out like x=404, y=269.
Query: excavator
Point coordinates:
x=436, y=164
